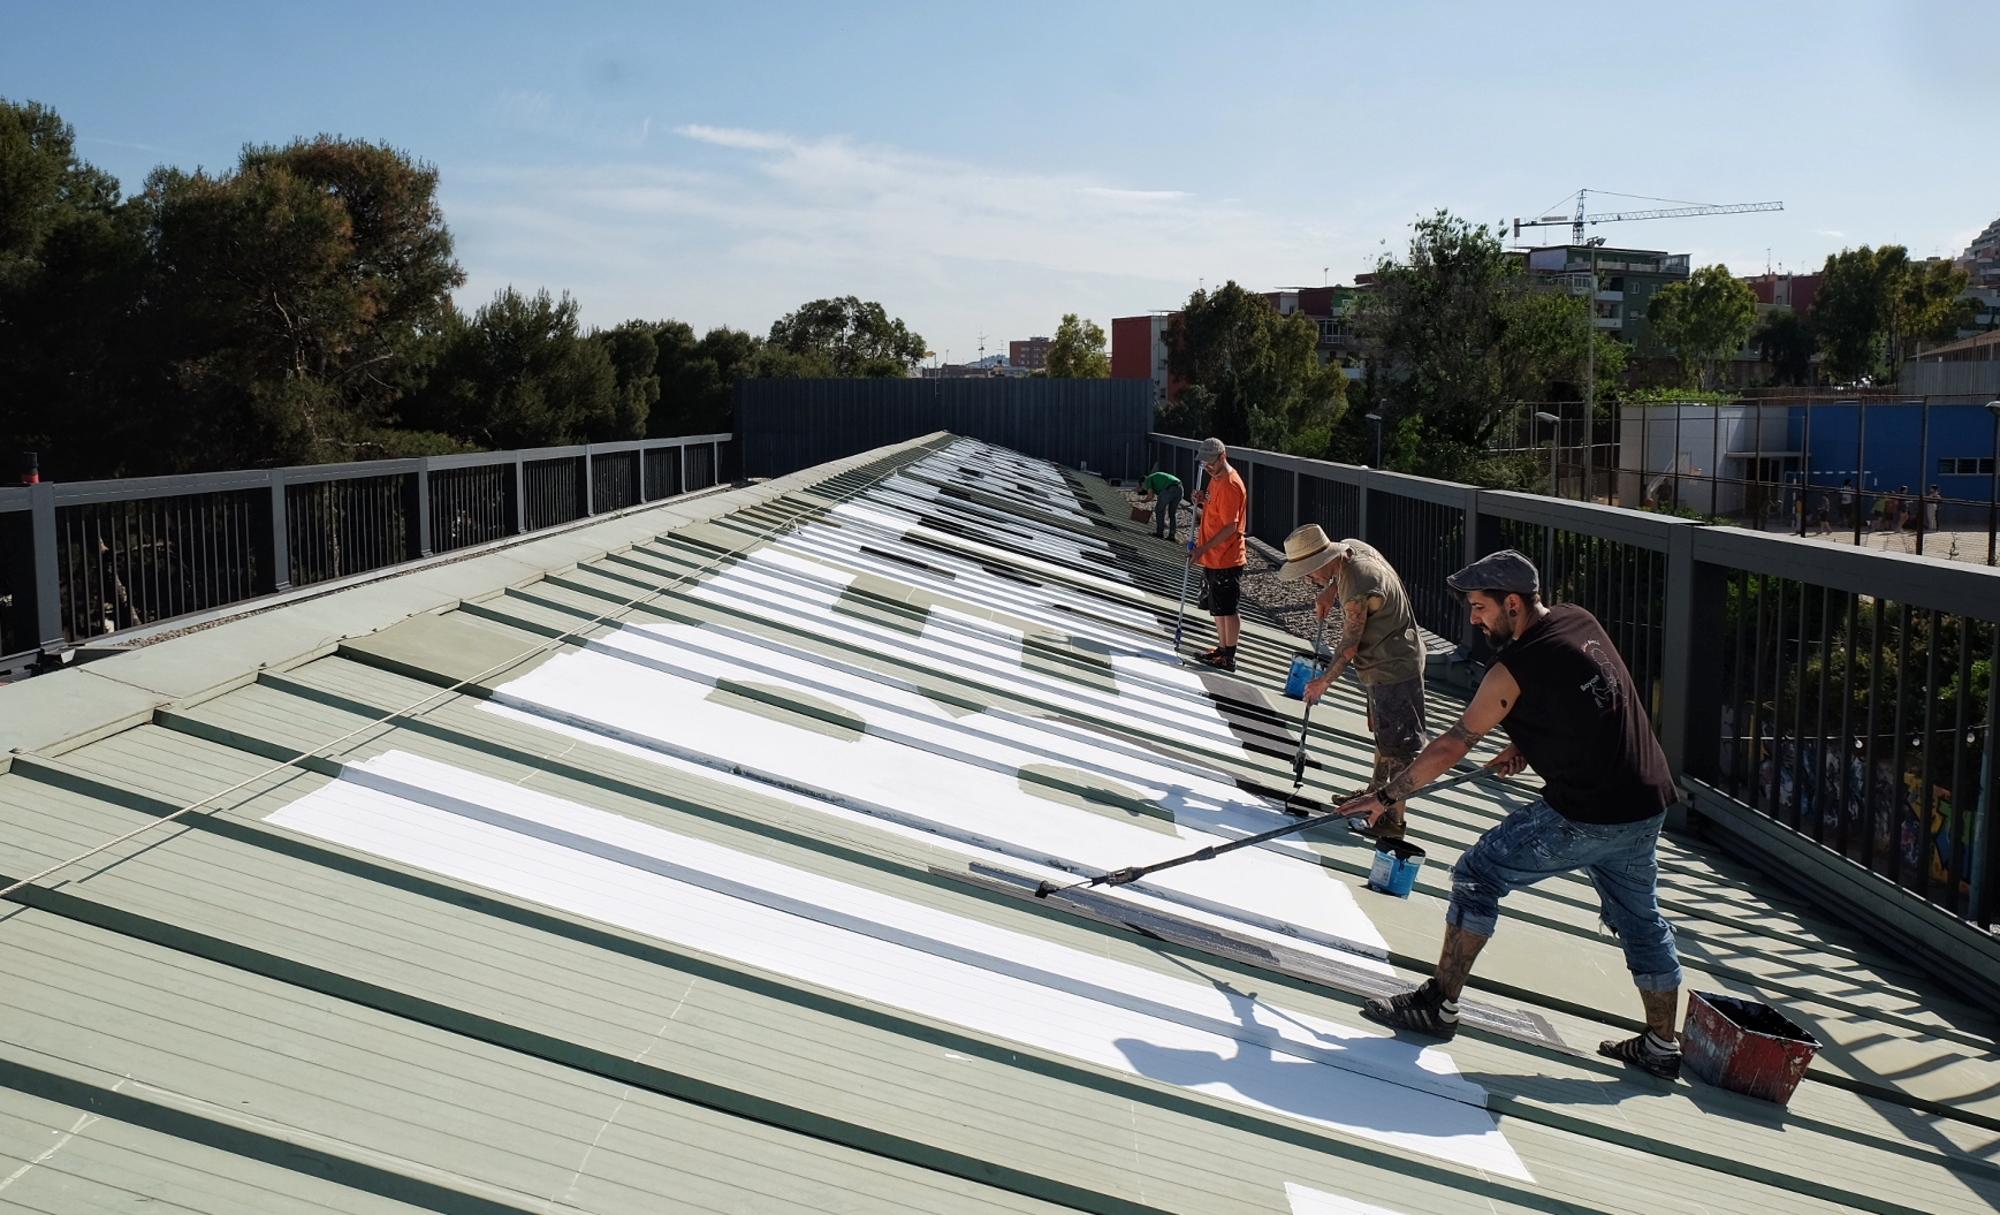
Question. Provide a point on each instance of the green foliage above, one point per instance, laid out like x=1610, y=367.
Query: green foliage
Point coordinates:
x=519, y=374
x=1875, y=303
x=1703, y=320
x=1464, y=337
x=698, y=377
x=1259, y=379
x=1077, y=351
x=1786, y=341
x=297, y=308
x=633, y=355
x=72, y=274
x=1678, y=396
x=847, y=338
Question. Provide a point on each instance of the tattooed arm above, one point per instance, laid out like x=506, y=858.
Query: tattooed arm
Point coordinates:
x=1353, y=618
x=1490, y=704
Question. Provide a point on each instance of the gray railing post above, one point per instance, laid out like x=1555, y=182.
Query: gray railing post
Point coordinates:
x=1479, y=532
x=1989, y=783
x=1297, y=477
x=639, y=478
x=418, y=508
x=279, y=576
x=1690, y=690
x=589, y=494
x=683, y=449
x=520, y=496
x=45, y=580
x=715, y=463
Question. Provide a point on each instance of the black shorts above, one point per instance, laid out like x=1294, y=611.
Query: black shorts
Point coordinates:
x=1221, y=590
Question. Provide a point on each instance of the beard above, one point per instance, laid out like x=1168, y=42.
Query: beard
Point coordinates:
x=1498, y=634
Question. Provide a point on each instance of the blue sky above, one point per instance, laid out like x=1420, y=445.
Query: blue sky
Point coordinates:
x=986, y=169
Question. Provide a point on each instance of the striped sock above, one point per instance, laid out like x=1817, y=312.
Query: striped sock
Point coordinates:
x=1657, y=1045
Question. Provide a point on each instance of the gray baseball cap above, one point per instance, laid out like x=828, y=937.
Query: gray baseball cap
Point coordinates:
x=1210, y=449
x=1506, y=572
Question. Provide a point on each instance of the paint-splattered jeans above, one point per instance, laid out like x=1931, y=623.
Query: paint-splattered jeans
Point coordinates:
x=1536, y=842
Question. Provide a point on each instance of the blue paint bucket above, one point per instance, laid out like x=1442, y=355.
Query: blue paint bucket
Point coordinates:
x=1304, y=671
x=1395, y=868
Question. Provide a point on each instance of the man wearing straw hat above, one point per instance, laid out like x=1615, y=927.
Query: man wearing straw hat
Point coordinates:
x=1565, y=698
x=1378, y=638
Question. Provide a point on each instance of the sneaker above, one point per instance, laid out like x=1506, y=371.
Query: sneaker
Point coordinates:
x=1220, y=659
x=1423, y=1011
x=1640, y=1052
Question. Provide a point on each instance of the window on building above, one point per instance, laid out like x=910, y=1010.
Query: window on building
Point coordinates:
x=1966, y=466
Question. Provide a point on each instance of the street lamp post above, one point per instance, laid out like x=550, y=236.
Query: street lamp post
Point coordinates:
x=1993, y=491
x=1555, y=430
x=1375, y=420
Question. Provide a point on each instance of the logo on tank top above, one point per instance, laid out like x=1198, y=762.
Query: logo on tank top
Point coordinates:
x=1606, y=692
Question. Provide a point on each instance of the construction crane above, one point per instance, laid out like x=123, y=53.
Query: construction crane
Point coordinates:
x=1681, y=210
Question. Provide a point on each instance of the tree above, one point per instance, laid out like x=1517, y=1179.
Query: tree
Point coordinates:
x=1077, y=351
x=1926, y=304
x=295, y=301
x=72, y=266
x=847, y=338
x=1463, y=337
x=698, y=378
x=1786, y=341
x=1874, y=303
x=1703, y=320
x=1260, y=372
x=633, y=354
x=518, y=374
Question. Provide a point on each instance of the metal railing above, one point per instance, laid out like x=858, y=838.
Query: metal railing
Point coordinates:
x=83, y=560
x=1845, y=695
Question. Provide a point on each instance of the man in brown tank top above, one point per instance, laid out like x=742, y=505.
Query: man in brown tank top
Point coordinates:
x=1378, y=638
x=1564, y=697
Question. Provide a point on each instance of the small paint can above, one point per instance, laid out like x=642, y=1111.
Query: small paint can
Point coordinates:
x=1304, y=671
x=1395, y=868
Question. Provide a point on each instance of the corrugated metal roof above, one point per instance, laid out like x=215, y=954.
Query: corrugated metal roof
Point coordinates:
x=650, y=883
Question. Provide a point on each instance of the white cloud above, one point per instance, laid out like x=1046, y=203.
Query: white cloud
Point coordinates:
x=769, y=220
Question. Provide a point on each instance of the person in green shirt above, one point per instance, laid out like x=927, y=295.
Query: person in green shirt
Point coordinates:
x=1167, y=494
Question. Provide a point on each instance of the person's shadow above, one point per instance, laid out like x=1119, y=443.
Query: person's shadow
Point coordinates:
x=1368, y=1083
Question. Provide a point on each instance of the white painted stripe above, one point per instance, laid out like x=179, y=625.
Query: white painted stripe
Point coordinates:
x=1307, y=1201
x=603, y=695
x=1011, y=985
x=1168, y=702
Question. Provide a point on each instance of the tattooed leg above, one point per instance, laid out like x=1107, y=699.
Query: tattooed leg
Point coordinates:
x=1455, y=963
x=1662, y=1008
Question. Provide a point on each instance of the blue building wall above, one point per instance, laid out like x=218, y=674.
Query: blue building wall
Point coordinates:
x=1894, y=452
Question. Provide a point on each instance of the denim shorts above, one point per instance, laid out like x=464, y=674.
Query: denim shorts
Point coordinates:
x=1537, y=842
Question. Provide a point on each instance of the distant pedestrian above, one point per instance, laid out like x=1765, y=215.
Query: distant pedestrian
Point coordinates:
x=1899, y=507
x=1932, y=500
x=1847, y=515
x=1825, y=514
x=1167, y=494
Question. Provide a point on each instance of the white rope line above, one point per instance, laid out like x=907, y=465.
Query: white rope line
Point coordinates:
x=453, y=689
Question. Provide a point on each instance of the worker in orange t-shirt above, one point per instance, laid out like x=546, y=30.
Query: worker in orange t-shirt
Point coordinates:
x=1217, y=548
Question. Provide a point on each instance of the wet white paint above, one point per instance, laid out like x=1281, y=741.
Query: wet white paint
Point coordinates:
x=916, y=764
x=1166, y=702
x=815, y=929
x=1308, y=1201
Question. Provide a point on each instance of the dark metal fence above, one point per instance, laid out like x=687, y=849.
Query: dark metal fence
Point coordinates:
x=787, y=425
x=82, y=560
x=1844, y=695
x=1911, y=474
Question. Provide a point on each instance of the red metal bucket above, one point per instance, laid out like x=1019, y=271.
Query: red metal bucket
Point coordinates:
x=1745, y=1046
